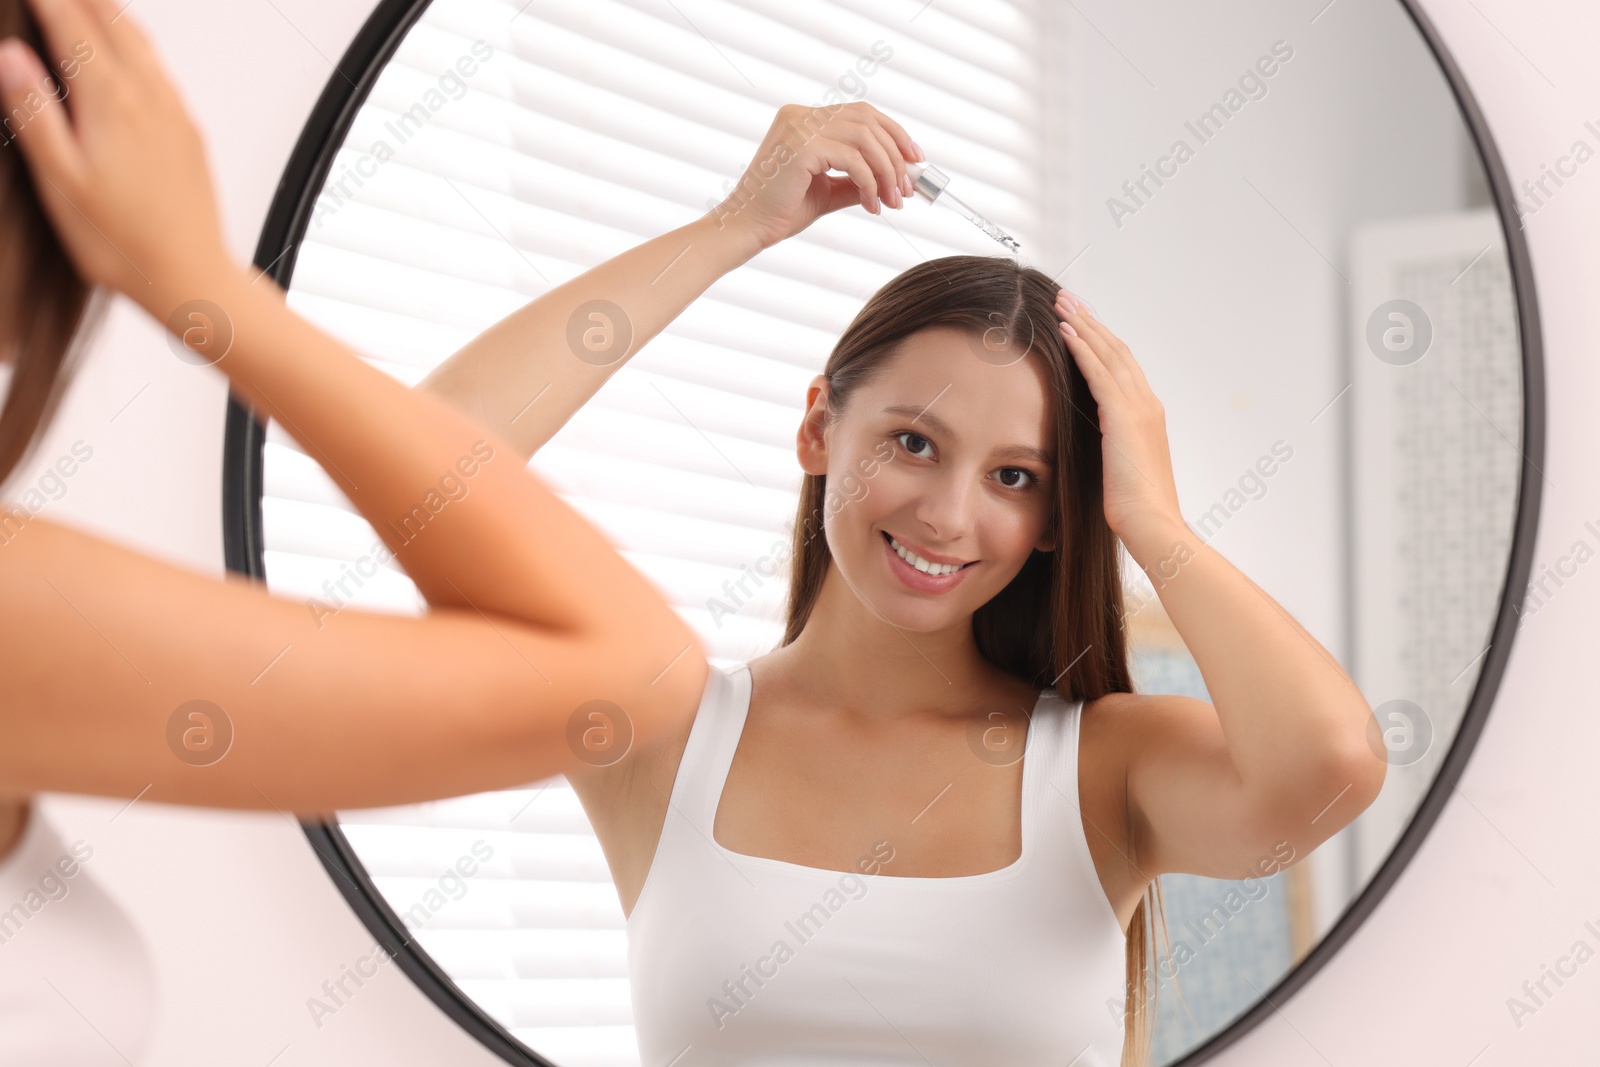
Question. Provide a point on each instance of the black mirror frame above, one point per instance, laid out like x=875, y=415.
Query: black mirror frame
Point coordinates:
x=279, y=246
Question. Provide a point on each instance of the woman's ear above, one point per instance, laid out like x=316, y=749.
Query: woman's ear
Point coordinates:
x=811, y=442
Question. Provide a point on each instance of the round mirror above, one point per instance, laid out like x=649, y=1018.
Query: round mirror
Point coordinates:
x=1295, y=219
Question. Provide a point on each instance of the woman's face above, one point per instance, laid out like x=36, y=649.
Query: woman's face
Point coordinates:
x=939, y=473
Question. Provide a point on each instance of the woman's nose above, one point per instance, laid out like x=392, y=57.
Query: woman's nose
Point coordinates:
x=946, y=508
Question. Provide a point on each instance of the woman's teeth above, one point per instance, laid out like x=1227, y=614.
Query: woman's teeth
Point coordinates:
x=921, y=564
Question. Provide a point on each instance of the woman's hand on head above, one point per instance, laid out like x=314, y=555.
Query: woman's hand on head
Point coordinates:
x=1140, y=491
x=787, y=186
x=117, y=161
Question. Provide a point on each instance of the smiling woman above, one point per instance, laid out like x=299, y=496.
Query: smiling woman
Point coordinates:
x=977, y=578
x=928, y=327
x=991, y=466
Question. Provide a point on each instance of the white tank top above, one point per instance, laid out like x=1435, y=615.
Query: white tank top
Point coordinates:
x=75, y=976
x=746, y=960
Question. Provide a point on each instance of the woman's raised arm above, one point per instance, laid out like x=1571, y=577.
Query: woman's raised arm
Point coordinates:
x=1283, y=755
x=535, y=615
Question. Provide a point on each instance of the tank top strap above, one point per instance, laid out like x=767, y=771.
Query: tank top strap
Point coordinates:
x=1055, y=783
x=708, y=751
x=1058, y=738
x=1048, y=733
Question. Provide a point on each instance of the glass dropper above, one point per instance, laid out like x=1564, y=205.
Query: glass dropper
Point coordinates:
x=929, y=183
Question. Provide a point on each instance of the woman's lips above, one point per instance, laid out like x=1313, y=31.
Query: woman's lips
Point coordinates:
x=919, y=580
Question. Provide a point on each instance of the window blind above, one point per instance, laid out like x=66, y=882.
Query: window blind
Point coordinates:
x=583, y=128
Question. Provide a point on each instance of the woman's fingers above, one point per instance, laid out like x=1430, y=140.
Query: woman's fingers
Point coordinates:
x=124, y=173
x=36, y=120
x=1112, y=352
x=869, y=131
x=1095, y=343
x=113, y=16
x=1132, y=419
x=71, y=31
x=127, y=38
x=1105, y=347
x=1120, y=348
x=880, y=169
x=899, y=147
x=1103, y=386
x=908, y=148
x=853, y=138
x=840, y=155
x=894, y=191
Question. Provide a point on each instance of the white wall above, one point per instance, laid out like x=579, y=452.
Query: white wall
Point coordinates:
x=244, y=925
x=1236, y=318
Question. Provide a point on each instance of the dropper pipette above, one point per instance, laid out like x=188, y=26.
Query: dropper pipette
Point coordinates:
x=929, y=183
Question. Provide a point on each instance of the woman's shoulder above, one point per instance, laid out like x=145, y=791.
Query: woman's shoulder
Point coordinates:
x=654, y=761
x=1113, y=724
x=1117, y=729
x=1132, y=717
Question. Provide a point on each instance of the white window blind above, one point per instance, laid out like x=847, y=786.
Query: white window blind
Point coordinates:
x=594, y=125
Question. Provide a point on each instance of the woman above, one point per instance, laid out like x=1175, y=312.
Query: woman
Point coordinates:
x=950, y=629
x=129, y=677
x=106, y=650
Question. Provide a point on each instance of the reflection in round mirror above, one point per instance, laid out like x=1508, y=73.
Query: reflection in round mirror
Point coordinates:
x=1284, y=214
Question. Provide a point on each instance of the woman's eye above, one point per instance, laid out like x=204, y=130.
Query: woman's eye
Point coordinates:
x=1015, y=477
x=918, y=441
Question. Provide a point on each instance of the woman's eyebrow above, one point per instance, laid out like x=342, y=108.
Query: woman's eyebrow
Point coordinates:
x=939, y=426
x=921, y=414
x=1038, y=455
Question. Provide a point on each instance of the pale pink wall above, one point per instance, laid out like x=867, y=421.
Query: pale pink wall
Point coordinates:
x=241, y=921
x=244, y=925
x=1507, y=879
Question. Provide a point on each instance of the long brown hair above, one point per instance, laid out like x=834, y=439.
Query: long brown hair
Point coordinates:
x=44, y=304
x=1060, y=620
